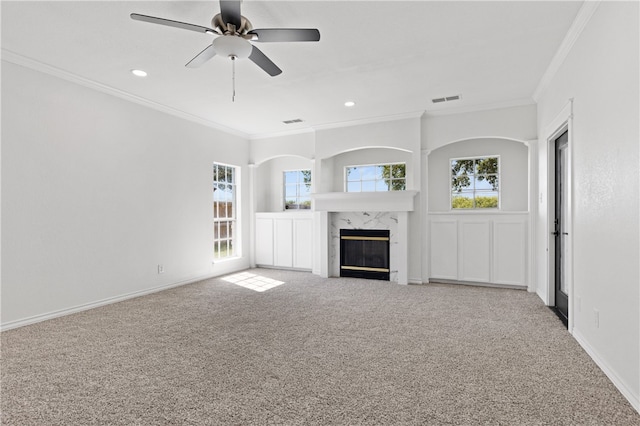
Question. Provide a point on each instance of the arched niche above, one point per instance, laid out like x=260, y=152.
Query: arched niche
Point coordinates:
x=514, y=170
x=330, y=170
x=269, y=191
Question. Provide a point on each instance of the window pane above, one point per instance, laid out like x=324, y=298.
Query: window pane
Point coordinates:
x=368, y=172
x=305, y=191
x=383, y=185
x=382, y=171
x=353, y=174
x=482, y=184
x=290, y=177
x=400, y=171
x=486, y=182
x=305, y=202
x=354, y=187
x=487, y=165
x=461, y=167
x=398, y=185
x=290, y=191
x=486, y=200
x=368, y=186
x=462, y=200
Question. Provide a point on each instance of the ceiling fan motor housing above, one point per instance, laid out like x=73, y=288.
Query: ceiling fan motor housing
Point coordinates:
x=226, y=28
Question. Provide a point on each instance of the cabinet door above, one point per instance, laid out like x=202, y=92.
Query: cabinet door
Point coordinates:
x=283, y=236
x=264, y=242
x=302, y=243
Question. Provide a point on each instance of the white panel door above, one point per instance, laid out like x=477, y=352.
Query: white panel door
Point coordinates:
x=475, y=251
x=264, y=242
x=509, y=252
x=302, y=243
x=444, y=250
x=283, y=236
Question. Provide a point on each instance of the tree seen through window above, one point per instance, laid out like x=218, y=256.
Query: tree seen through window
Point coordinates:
x=475, y=183
x=376, y=178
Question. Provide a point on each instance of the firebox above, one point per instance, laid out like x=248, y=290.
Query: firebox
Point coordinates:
x=364, y=253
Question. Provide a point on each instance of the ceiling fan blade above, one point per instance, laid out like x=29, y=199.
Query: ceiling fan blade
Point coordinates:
x=170, y=23
x=263, y=62
x=230, y=11
x=202, y=57
x=268, y=35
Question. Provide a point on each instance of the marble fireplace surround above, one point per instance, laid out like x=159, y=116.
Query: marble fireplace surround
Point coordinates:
x=373, y=210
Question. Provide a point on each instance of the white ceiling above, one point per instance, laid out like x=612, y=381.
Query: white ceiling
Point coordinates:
x=390, y=57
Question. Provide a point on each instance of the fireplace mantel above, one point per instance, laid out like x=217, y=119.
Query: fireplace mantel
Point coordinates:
x=392, y=201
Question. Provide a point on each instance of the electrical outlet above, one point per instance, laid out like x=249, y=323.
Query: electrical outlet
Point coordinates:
x=160, y=269
x=596, y=318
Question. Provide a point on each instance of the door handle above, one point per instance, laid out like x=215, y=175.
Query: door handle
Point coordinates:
x=554, y=233
x=565, y=233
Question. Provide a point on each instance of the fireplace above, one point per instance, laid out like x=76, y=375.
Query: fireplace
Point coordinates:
x=364, y=253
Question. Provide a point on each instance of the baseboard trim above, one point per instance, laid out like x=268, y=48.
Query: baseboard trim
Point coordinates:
x=633, y=399
x=476, y=284
x=84, y=307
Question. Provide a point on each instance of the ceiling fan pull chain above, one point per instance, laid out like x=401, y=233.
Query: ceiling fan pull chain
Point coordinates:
x=233, y=78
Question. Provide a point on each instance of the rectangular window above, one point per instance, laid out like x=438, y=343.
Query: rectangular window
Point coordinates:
x=297, y=189
x=475, y=183
x=376, y=178
x=224, y=210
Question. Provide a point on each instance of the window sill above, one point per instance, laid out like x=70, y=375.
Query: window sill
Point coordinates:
x=225, y=259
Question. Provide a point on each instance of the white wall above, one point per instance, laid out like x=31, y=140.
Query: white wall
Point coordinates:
x=97, y=191
x=299, y=144
x=601, y=75
x=517, y=123
x=514, y=176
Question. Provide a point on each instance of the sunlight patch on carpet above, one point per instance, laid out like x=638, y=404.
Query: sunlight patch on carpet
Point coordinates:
x=252, y=281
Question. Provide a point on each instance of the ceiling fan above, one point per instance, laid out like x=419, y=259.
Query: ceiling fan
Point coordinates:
x=233, y=35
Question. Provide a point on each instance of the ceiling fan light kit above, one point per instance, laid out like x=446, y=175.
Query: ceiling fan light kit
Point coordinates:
x=232, y=47
x=233, y=33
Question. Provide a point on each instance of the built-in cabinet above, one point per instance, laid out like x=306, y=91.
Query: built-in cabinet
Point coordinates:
x=284, y=240
x=483, y=248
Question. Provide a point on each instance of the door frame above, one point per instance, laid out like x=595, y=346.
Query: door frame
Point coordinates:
x=561, y=124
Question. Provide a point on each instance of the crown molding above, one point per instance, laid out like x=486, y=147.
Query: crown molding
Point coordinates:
x=579, y=23
x=482, y=107
x=33, y=64
x=395, y=117
x=293, y=132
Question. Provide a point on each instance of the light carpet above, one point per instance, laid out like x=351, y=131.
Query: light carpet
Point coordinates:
x=310, y=351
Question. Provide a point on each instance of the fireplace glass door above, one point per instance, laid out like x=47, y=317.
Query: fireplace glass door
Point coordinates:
x=364, y=253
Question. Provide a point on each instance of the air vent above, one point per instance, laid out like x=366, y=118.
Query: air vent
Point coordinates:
x=295, y=120
x=445, y=99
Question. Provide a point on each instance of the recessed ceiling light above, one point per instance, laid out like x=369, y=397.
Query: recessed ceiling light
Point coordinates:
x=349, y=103
x=139, y=73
